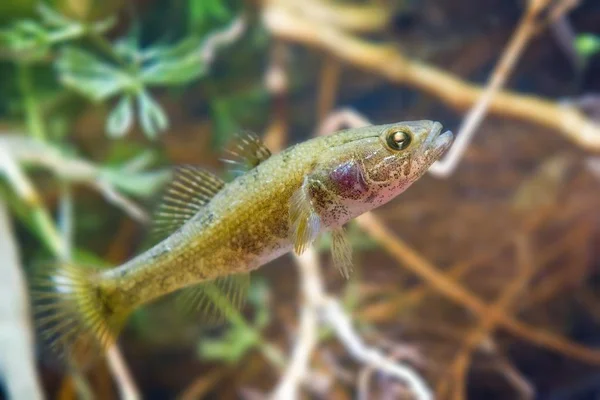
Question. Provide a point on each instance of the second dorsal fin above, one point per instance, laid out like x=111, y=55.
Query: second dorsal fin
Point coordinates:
x=191, y=188
x=244, y=152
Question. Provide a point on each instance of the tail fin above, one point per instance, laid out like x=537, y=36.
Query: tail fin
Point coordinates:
x=73, y=314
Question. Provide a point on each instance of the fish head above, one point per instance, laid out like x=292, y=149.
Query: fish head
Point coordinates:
x=370, y=166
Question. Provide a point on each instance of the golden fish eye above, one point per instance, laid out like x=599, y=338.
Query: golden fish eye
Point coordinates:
x=398, y=139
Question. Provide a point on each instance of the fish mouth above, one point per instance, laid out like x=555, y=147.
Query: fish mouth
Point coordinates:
x=437, y=140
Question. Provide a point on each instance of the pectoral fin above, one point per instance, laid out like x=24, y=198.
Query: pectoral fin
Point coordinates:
x=341, y=252
x=305, y=223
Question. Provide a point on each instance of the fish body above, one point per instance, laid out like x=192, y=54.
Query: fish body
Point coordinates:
x=219, y=230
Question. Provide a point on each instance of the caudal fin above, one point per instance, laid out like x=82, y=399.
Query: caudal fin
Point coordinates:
x=72, y=312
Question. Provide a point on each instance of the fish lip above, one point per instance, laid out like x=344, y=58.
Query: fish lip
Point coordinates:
x=437, y=140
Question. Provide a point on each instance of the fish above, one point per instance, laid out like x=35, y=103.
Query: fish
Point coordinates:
x=214, y=233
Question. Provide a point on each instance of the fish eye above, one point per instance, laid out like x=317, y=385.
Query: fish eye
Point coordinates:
x=398, y=139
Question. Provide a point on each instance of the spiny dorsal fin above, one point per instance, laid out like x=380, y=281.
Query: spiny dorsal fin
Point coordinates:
x=244, y=152
x=341, y=251
x=217, y=298
x=191, y=188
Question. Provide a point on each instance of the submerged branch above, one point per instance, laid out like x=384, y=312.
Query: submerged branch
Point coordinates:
x=523, y=34
x=389, y=62
x=318, y=305
x=413, y=261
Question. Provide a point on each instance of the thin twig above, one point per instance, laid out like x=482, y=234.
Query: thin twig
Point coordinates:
x=127, y=388
x=523, y=34
x=412, y=261
x=486, y=325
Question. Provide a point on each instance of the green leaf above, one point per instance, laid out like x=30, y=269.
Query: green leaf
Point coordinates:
x=137, y=184
x=152, y=117
x=174, y=65
x=92, y=77
x=32, y=40
x=120, y=119
x=203, y=14
x=26, y=39
x=51, y=17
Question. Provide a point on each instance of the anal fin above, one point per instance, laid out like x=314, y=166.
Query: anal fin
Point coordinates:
x=216, y=299
x=341, y=251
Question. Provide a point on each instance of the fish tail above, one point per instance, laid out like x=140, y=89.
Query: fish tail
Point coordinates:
x=73, y=312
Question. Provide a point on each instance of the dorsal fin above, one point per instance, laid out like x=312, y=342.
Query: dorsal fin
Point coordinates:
x=216, y=298
x=191, y=188
x=244, y=152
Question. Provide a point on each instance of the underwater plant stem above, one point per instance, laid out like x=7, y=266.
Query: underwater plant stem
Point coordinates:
x=66, y=214
x=50, y=236
x=106, y=47
x=17, y=365
x=46, y=229
x=69, y=169
x=33, y=115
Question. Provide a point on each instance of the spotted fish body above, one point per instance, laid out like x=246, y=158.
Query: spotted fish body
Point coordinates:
x=217, y=232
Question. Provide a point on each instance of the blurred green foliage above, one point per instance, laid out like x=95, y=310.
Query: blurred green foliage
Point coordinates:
x=240, y=336
x=86, y=62
x=587, y=44
x=126, y=57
